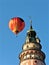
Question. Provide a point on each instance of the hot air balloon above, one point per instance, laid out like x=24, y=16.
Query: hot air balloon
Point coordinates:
x=16, y=25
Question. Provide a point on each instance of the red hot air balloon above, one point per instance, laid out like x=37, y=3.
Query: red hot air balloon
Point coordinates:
x=16, y=25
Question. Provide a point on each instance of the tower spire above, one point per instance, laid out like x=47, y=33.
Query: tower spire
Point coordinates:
x=31, y=24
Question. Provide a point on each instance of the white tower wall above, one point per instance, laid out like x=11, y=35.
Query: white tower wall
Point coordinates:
x=32, y=62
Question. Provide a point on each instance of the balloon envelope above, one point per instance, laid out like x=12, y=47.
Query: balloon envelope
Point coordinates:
x=16, y=25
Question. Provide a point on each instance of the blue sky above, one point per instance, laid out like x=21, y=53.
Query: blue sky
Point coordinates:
x=10, y=45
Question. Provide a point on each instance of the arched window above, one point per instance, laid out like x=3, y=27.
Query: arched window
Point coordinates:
x=25, y=57
x=28, y=55
x=35, y=62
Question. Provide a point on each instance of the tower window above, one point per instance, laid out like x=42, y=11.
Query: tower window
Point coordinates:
x=35, y=61
x=28, y=56
x=32, y=56
x=24, y=57
x=27, y=46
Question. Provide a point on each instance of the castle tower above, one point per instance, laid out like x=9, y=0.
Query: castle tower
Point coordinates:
x=32, y=54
